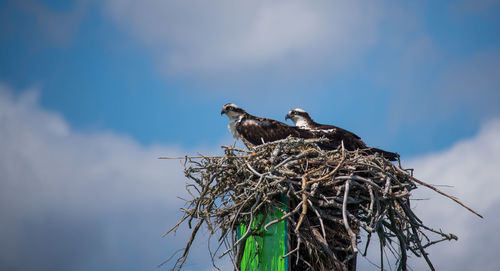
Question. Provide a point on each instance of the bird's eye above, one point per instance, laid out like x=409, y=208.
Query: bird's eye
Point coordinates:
x=229, y=108
x=295, y=112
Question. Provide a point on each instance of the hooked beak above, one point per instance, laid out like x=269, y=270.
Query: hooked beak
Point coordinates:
x=288, y=117
x=223, y=112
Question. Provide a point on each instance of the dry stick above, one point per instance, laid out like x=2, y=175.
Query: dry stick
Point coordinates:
x=299, y=241
x=236, y=216
x=234, y=149
x=372, y=203
x=212, y=255
x=249, y=230
x=217, y=156
x=346, y=222
x=402, y=242
x=291, y=252
x=319, y=218
x=282, y=218
x=361, y=179
x=414, y=223
x=305, y=183
x=188, y=246
x=177, y=225
x=368, y=238
x=419, y=244
x=170, y=258
x=445, y=238
x=202, y=194
x=304, y=203
x=253, y=170
x=387, y=186
x=235, y=262
x=333, y=171
x=442, y=193
x=294, y=157
x=324, y=244
x=304, y=198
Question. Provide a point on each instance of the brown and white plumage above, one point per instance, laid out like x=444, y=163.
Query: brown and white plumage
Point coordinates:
x=258, y=130
x=336, y=135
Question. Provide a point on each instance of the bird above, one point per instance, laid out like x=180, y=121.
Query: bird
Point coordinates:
x=336, y=135
x=257, y=130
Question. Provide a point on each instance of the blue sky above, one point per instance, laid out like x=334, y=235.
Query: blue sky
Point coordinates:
x=150, y=77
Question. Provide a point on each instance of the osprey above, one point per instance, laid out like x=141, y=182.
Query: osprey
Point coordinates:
x=258, y=130
x=335, y=134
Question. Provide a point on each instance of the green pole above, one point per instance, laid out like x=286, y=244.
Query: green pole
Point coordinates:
x=264, y=250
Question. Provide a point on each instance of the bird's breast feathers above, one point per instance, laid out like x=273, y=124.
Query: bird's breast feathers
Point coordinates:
x=232, y=127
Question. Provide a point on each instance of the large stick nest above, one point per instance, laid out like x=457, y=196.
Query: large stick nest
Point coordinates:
x=331, y=196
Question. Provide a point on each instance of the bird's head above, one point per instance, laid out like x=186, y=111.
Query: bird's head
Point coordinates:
x=299, y=117
x=232, y=111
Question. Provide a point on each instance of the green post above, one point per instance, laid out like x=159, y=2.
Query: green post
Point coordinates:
x=264, y=251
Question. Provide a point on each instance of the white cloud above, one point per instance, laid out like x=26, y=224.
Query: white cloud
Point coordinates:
x=207, y=37
x=470, y=167
x=71, y=200
x=40, y=147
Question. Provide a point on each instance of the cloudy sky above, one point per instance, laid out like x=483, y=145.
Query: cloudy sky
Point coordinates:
x=92, y=92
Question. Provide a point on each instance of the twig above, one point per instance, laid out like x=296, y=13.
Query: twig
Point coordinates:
x=176, y=225
x=304, y=204
x=446, y=195
x=333, y=171
x=346, y=222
